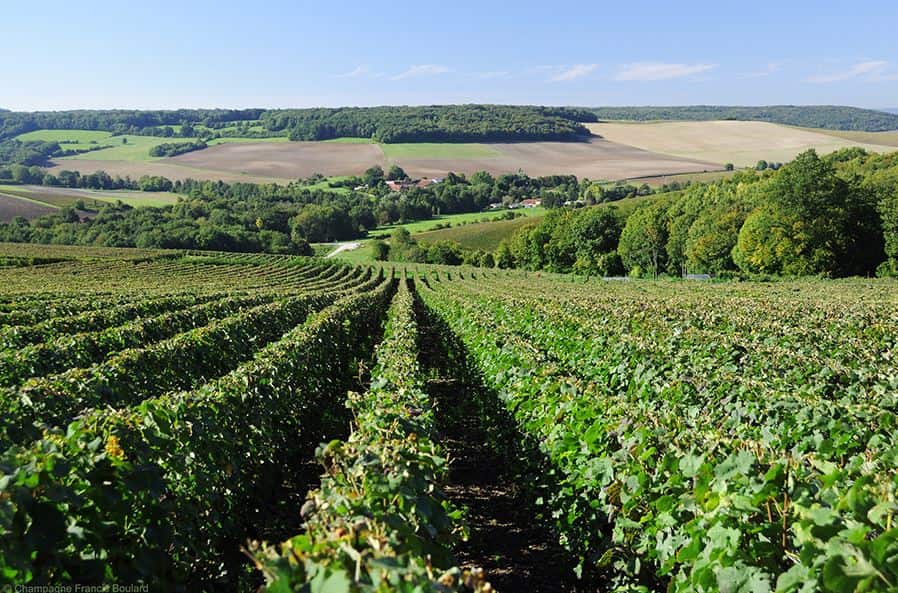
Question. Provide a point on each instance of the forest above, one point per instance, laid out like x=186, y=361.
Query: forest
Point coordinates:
x=829, y=216
x=446, y=123
x=830, y=117
x=176, y=148
x=118, y=121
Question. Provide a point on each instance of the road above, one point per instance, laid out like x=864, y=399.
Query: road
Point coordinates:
x=341, y=247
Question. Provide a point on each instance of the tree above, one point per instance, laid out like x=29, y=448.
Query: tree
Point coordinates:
x=319, y=224
x=447, y=253
x=302, y=247
x=482, y=177
x=884, y=186
x=713, y=236
x=812, y=222
x=766, y=242
x=380, y=250
x=396, y=174
x=504, y=258
x=644, y=239
x=373, y=176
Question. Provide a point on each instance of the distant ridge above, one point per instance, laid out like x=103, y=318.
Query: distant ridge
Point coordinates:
x=830, y=117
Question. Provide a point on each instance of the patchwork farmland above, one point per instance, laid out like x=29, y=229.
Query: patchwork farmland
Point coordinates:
x=262, y=160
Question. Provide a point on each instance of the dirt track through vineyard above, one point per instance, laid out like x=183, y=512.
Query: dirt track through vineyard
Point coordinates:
x=508, y=537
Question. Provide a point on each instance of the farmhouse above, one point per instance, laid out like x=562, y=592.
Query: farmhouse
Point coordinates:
x=410, y=183
x=400, y=185
x=528, y=203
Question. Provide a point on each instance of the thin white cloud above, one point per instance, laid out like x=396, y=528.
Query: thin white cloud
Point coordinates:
x=421, y=70
x=872, y=70
x=358, y=71
x=772, y=68
x=494, y=75
x=645, y=71
x=574, y=72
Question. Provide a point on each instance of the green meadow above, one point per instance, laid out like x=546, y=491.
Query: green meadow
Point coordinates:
x=438, y=150
x=126, y=147
x=427, y=150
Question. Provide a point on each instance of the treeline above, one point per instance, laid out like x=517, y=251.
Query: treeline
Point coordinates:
x=402, y=247
x=830, y=117
x=832, y=216
x=447, y=123
x=250, y=217
x=27, y=153
x=176, y=148
x=35, y=175
x=13, y=123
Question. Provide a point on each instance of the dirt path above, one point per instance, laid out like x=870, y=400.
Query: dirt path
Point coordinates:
x=341, y=247
x=509, y=538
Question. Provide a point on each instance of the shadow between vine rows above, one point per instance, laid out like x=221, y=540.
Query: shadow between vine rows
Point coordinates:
x=496, y=473
x=275, y=514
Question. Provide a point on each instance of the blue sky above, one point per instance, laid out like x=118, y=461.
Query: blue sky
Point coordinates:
x=272, y=53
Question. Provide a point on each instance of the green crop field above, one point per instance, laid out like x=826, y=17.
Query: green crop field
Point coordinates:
x=427, y=150
x=431, y=150
x=674, y=436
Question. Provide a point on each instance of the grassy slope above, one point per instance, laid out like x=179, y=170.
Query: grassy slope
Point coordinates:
x=432, y=150
x=477, y=235
x=364, y=254
x=136, y=149
x=232, y=139
x=482, y=235
x=488, y=235
x=66, y=136
x=427, y=150
x=454, y=219
x=657, y=180
x=349, y=140
x=60, y=197
x=4, y=191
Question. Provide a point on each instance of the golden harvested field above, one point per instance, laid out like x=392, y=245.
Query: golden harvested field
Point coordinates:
x=879, y=138
x=266, y=161
x=595, y=159
x=739, y=142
